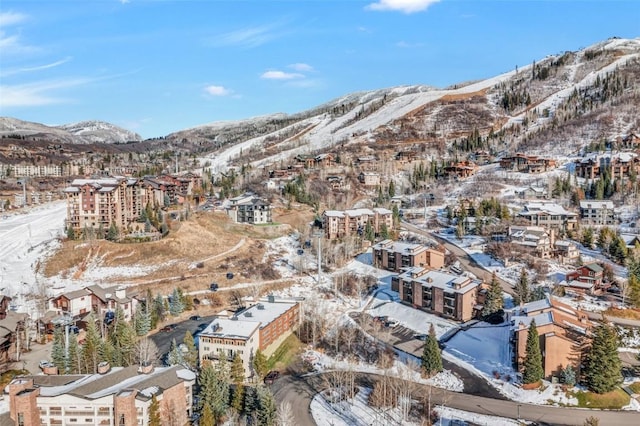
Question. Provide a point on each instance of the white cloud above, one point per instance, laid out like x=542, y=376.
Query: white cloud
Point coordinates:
x=124, y=1
x=11, y=18
x=36, y=94
x=247, y=37
x=217, y=90
x=280, y=75
x=301, y=67
x=405, y=6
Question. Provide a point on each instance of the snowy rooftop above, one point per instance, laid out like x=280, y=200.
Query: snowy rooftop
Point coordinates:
x=590, y=204
x=443, y=280
x=536, y=305
x=548, y=208
x=249, y=320
x=540, y=319
x=399, y=247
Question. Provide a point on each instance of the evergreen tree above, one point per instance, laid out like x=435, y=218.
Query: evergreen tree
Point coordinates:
x=237, y=402
x=431, y=356
x=206, y=417
x=568, y=376
x=154, y=412
x=267, y=406
x=237, y=369
x=533, y=368
x=369, y=233
x=112, y=233
x=190, y=356
x=633, y=289
x=523, y=292
x=58, y=356
x=392, y=189
x=175, y=355
x=603, y=368
x=122, y=337
x=73, y=355
x=159, y=310
x=494, y=301
x=384, y=232
x=176, y=305
x=143, y=319
x=71, y=233
x=90, y=353
x=260, y=364
x=214, y=390
x=587, y=238
x=396, y=215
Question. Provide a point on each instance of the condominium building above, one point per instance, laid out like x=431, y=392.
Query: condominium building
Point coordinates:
x=395, y=256
x=620, y=165
x=339, y=224
x=549, y=216
x=449, y=295
x=118, y=397
x=263, y=326
x=597, y=212
x=248, y=208
x=564, y=334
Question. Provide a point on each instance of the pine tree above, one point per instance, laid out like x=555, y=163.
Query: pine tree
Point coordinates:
x=159, y=311
x=71, y=233
x=523, y=292
x=214, y=390
x=260, y=364
x=112, y=233
x=602, y=370
x=73, y=354
x=533, y=369
x=431, y=356
x=176, y=305
x=92, y=343
x=237, y=369
x=123, y=339
x=369, y=233
x=58, y=350
x=154, y=412
x=238, y=398
x=633, y=289
x=267, y=406
x=392, y=189
x=190, y=357
x=206, y=417
x=175, y=355
x=143, y=319
x=494, y=301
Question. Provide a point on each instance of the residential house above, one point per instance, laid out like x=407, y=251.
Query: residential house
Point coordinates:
x=597, y=212
x=452, y=296
x=336, y=183
x=630, y=240
x=395, y=256
x=367, y=162
x=119, y=396
x=566, y=251
x=79, y=303
x=590, y=274
x=527, y=163
x=549, y=215
x=631, y=141
x=406, y=156
x=563, y=332
x=263, y=326
x=248, y=208
x=369, y=178
x=619, y=165
x=339, y=224
x=12, y=328
x=461, y=170
x=534, y=240
x=533, y=192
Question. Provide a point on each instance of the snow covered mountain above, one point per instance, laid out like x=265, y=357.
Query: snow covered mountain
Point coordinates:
x=82, y=132
x=555, y=105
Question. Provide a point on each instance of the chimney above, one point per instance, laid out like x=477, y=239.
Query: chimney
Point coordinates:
x=104, y=367
x=146, y=367
x=121, y=292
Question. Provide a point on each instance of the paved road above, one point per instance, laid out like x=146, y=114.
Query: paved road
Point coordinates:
x=300, y=391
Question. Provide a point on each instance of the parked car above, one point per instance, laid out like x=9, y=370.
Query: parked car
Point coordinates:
x=195, y=317
x=213, y=287
x=44, y=364
x=392, y=323
x=229, y=275
x=109, y=317
x=271, y=377
x=422, y=337
x=169, y=327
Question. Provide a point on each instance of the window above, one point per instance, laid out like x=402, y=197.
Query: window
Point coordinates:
x=20, y=419
x=121, y=421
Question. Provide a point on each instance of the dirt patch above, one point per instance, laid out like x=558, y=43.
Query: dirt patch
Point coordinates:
x=203, y=250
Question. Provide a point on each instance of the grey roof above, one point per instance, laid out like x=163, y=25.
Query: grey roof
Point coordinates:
x=439, y=279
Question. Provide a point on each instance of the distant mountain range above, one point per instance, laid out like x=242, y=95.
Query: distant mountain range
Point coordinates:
x=82, y=132
x=554, y=105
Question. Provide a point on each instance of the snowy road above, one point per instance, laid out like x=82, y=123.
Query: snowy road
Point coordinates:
x=26, y=239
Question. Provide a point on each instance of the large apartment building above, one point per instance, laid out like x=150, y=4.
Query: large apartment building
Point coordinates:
x=620, y=165
x=92, y=203
x=449, y=295
x=118, y=397
x=597, y=212
x=263, y=326
x=549, y=216
x=564, y=334
x=340, y=224
x=395, y=256
x=248, y=208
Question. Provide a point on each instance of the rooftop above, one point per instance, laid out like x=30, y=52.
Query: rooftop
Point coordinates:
x=448, y=282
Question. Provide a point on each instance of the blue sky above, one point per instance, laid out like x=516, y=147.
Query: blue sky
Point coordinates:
x=156, y=66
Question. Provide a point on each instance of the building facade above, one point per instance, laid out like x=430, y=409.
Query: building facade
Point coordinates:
x=395, y=256
x=119, y=397
x=248, y=208
x=449, y=295
x=549, y=216
x=340, y=224
x=597, y=212
x=564, y=334
x=263, y=326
